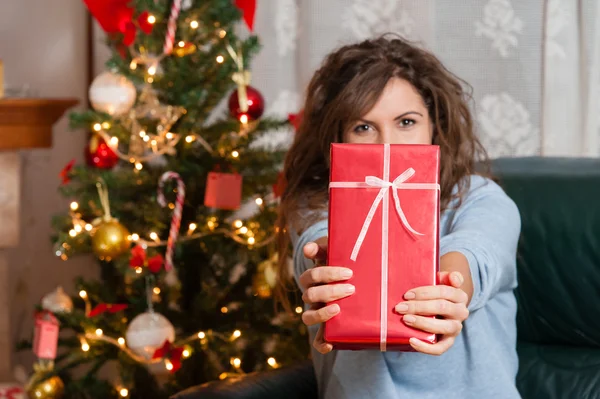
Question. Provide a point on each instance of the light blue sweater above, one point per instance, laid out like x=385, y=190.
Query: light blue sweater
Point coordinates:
x=483, y=361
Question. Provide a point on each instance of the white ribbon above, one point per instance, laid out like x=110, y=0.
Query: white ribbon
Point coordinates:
x=399, y=183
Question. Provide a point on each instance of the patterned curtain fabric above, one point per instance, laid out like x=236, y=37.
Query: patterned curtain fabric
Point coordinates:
x=534, y=65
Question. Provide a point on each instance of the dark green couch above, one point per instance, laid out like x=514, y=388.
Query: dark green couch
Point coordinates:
x=558, y=294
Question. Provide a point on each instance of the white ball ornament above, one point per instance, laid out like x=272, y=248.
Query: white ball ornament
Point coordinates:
x=112, y=93
x=57, y=302
x=147, y=332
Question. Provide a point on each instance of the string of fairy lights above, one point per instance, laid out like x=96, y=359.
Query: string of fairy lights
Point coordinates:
x=97, y=335
x=244, y=234
x=237, y=231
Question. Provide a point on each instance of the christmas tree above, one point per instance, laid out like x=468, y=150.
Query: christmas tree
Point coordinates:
x=185, y=294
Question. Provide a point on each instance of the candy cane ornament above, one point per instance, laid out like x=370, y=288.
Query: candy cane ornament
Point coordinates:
x=172, y=27
x=176, y=220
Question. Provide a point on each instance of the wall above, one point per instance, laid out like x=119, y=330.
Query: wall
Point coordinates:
x=43, y=44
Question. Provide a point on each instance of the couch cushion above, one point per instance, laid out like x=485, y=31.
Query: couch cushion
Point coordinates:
x=559, y=251
x=297, y=381
x=557, y=372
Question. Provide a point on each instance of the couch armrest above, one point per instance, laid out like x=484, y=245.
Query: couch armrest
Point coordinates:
x=295, y=382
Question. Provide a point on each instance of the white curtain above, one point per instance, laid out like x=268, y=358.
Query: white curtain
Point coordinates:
x=534, y=65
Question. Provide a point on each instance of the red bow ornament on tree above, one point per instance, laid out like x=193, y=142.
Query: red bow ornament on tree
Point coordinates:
x=296, y=119
x=138, y=259
x=279, y=185
x=65, y=173
x=115, y=16
x=171, y=352
x=107, y=307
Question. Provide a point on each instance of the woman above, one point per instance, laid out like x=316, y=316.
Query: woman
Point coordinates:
x=389, y=91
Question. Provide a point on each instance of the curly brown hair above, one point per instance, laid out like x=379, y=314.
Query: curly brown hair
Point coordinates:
x=345, y=88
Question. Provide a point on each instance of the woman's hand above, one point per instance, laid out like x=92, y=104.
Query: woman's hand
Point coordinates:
x=317, y=291
x=446, y=300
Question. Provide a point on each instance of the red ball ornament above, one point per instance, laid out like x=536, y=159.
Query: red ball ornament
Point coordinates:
x=98, y=154
x=256, y=105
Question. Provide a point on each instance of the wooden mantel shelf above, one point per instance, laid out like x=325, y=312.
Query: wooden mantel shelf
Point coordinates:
x=27, y=122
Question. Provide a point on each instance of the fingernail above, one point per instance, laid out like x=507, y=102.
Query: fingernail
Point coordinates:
x=346, y=274
x=459, y=277
x=414, y=341
x=349, y=289
x=333, y=309
x=401, y=307
x=410, y=295
x=409, y=319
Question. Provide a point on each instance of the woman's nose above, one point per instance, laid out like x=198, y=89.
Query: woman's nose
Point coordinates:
x=385, y=137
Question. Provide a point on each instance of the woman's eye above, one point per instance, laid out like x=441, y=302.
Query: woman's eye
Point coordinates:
x=407, y=122
x=361, y=128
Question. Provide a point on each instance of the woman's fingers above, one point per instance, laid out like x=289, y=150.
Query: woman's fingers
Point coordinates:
x=436, y=307
x=327, y=293
x=319, y=344
x=321, y=315
x=432, y=349
x=316, y=252
x=323, y=275
x=433, y=292
x=453, y=279
x=434, y=326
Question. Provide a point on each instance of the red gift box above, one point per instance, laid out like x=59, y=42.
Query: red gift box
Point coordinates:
x=45, y=337
x=223, y=191
x=384, y=225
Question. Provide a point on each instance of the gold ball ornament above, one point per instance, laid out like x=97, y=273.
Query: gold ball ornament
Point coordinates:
x=52, y=388
x=110, y=240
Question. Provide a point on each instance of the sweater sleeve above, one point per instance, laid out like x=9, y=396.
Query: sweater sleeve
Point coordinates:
x=485, y=229
x=314, y=232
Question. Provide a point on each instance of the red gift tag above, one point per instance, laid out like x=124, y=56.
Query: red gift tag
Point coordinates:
x=383, y=224
x=45, y=339
x=223, y=191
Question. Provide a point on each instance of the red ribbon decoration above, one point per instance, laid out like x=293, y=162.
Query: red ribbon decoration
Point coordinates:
x=115, y=16
x=107, y=307
x=279, y=186
x=11, y=392
x=138, y=259
x=171, y=352
x=248, y=8
x=65, y=173
x=138, y=256
x=296, y=119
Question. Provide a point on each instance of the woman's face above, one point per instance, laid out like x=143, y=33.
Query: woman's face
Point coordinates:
x=399, y=117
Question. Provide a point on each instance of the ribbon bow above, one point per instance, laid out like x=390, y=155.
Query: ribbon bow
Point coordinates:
x=241, y=77
x=171, y=352
x=374, y=181
x=107, y=307
x=399, y=183
x=139, y=258
x=65, y=173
